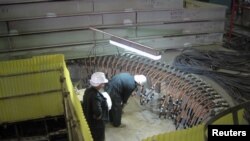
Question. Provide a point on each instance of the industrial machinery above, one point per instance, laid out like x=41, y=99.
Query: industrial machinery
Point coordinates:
x=37, y=98
x=183, y=97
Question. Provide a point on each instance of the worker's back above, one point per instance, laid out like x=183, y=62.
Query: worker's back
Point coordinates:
x=122, y=84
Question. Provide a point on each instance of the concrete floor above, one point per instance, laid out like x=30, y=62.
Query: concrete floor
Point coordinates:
x=140, y=124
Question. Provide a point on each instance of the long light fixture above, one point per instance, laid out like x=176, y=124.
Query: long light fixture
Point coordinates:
x=131, y=46
x=135, y=47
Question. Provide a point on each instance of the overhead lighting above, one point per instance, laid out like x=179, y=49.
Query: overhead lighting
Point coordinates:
x=131, y=46
x=135, y=47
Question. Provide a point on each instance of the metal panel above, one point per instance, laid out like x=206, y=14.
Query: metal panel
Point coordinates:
x=181, y=28
x=70, y=52
x=181, y=15
x=81, y=36
x=38, y=25
x=121, y=5
x=14, y=110
x=168, y=29
x=49, y=9
x=119, y=18
x=154, y=24
x=82, y=51
x=3, y=28
x=4, y=43
x=129, y=32
x=17, y=97
x=55, y=23
x=108, y=5
x=38, y=81
x=147, y=30
x=161, y=4
x=50, y=39
x=183, y=41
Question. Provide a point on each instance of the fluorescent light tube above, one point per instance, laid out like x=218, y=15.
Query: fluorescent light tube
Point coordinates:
x=135, y=47
x=131, y=46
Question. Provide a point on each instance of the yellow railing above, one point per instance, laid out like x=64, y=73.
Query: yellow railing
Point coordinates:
x=231, y=116
x=26, y=85
x=32, y=89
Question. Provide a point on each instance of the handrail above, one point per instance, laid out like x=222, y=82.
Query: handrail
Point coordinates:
x=227, y=111
x=232, y=110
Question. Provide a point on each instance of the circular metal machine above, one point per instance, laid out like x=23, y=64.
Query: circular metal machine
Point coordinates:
x=171, y=93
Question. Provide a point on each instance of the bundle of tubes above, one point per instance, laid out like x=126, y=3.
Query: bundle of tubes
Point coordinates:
x=183, y=97
x=231, y=70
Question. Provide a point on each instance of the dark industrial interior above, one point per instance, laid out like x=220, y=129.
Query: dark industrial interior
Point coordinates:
x=202, y=76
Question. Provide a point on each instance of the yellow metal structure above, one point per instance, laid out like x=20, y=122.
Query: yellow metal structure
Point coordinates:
x=39, y=87
x=199, y=133
x=193, y=134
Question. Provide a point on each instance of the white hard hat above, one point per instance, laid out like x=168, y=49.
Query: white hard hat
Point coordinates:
x=98, y=78
x=108, y=99
x=140, y=79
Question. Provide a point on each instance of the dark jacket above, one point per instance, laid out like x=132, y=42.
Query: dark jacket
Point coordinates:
x=121, y=85
x=95, y=108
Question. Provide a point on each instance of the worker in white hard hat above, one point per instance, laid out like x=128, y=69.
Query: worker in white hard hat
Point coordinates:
x=95, y=107
x=120, y=88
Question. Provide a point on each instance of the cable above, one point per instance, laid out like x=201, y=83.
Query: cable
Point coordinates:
x=209, y=63
x=240, y=43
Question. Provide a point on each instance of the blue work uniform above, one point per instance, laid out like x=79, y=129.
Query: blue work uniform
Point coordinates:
x=120, y=87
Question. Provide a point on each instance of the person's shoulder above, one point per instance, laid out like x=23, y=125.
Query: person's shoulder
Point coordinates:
x=120, y=76
x=90, y=90
x=124, y=74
